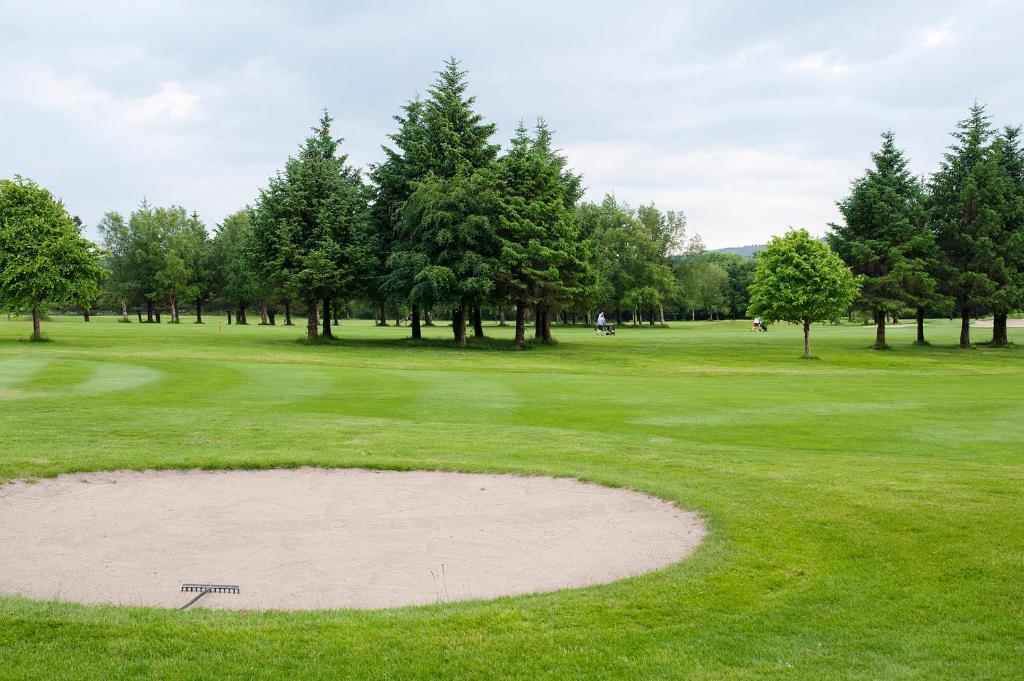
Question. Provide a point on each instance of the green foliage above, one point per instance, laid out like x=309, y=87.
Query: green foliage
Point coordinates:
x=962, y=213
x=800, y=280
x=312, y=235
x=630, y=249
x=540, y=258
x=44, y=260
x=884, y=238
x=238, y=283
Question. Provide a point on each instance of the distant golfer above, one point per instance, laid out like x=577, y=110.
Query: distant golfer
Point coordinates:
x=600, y=320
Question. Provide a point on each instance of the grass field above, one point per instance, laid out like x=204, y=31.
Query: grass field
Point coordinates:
x=865, y=510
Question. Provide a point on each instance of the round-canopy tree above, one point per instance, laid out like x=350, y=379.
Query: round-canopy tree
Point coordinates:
x=800, y=280
x=43, y=258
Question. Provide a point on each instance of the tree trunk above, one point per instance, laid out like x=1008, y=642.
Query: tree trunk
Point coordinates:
x=920, y=325
x=311, y=321
x=879, y=329
x=478, y=323
x=430, y=319
x=807, y=338
x=327, y=318
x=149, y=312
x=618, y=317
x=1000, y=339
x=229, y=317
x=417, y=334
x=124, y=311
x=138, y=311
x=460, y=328
x=520, y=324
x=272, y=314
x=240, y=315
x=456, y=320
x=287, y=313
x=538, y=322
x=85, y=315
x=398, y=317
x=174, y=309
x=37, y=332
x=501, y=315
x=661, y=314
x=381, y=315
x=158, y=315
x=335, y=309
x=650, y=319
x=199, y=310
x=264, y=319
x=546, y=325
x=965, y=329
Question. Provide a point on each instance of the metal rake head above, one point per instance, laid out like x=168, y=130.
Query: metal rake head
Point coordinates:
x=212, y=588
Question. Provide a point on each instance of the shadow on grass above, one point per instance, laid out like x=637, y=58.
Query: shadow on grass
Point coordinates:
x=485, y=344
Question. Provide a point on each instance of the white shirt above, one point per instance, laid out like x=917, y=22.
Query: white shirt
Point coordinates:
x=600, y=319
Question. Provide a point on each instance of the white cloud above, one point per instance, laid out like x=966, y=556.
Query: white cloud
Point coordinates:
x=171, y=102
x=821, y=64
x=936, y=35
x=729, y=194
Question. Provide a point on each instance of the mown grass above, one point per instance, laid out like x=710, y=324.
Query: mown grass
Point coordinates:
x=866, y=511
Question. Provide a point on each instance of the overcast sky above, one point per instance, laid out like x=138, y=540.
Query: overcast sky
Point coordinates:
x=749, y=117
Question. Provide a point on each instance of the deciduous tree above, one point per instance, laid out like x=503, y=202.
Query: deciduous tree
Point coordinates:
x=800, y=280
x=44, y=260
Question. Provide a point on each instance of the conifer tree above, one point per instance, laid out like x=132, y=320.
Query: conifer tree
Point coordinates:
x=312, y=224
x=445, y=224
x=1006, y=268
x=541, y=260
x=884, y=237
x=963, y=218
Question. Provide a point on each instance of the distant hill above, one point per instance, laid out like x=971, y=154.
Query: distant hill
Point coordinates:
x=745, y=251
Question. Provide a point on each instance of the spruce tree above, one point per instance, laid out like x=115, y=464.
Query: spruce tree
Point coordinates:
x=541, y=259
x=312, y=223
x=1006, y=268
x=962, y=218
x=445, y=224
x=399, y=258
x=884, y=237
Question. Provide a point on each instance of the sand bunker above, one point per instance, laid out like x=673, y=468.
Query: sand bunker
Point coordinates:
x=1010, y=323
x=319, y=538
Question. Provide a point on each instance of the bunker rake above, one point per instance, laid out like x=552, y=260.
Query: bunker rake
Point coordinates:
x=204, y=589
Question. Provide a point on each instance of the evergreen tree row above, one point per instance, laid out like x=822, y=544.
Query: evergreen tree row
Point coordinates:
x=446, y=224
x=953, y=242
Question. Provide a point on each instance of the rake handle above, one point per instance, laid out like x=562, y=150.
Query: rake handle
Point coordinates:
x=196, y=598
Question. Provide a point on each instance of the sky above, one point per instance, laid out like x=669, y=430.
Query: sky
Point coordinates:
x=750, y=117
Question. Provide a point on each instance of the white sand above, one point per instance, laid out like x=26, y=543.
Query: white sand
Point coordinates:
x=1010, y=323
x=319, y=538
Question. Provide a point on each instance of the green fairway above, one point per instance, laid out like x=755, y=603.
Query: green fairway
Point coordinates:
x=865, y=509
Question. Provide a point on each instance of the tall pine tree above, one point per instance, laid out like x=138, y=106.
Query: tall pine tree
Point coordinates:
x=445, y=224
x=312, y=223
x=1006, y=268
x=541, y=259
x=884, y=236
x=961, y=218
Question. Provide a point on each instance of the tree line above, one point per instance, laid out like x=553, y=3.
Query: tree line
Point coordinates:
x=451, y=224
x=952, y=242
x=448, y=223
